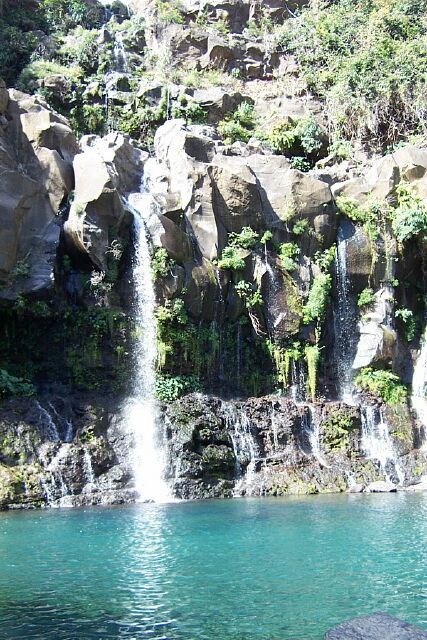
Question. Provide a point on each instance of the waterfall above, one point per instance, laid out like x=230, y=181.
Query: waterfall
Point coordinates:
x=244, y=446
x=311, y=428
x=376, y=442
x=141, y=409
x=119, y=52
x=88, y=468
x=419, y=382
x=344, y=323
x=298, y=383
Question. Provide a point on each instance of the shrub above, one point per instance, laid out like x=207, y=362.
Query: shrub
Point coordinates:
x=367, y=61
x=239, y=125
x=409, y=219
x=407, y=317
x=366, y=297
x=170, y=388
x=312, y=356
x=246, y=239
x=287, y=252
x=317, y=298
x=231, y=259
x=381, y=383
x=161, y=263
x=12, y=386
x=251, y=296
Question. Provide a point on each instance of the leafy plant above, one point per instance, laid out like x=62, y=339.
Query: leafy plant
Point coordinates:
x=312, y=356
x=161, y=263
x=231, y=259
x=239, y=125
x=251, y=296
x=318, y=296
x=366, y=297
x=13, y=386
x=409, y=219
x=381, y=383
x=170, y=388
x=287, y=252
x=246, y=239
x=407, y=317
x=169, y=12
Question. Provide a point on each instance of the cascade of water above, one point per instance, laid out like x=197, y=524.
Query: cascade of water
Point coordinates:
x=274, y=427
x=419, y=382
x=120, y=56
x=88, y=467
x=141, y=408
x=239, y=354
x=377, y=444
x=46, y=424
x=298, y=384
x=311, y=427
x=244, y=445
x=344, y=323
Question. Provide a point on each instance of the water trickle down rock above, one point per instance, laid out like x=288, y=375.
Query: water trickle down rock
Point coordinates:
x=244, y=446
x=377, y=445
x=419, y=381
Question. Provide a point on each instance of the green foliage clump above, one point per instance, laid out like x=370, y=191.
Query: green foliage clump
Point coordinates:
x=246, y=239
x=62, y=15
x=169, y=12
x=13, y=386
x=409, y=219
x=366, y=297
x=251, y=296
x=161, y=263
x=239, y=125
x=231, y=259
x=287, y=252
x=170, y=388
x=282, y=357
x=336, y=429
x=367, y=61
x=381, y=383
x=315, y=308
x=301, y=139
x=409, y=322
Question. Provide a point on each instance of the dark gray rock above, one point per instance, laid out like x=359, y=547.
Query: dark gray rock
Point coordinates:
x=378, y=626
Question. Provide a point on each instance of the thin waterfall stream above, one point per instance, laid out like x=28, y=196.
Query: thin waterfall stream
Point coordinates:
x=419, y=382
x=141, y=412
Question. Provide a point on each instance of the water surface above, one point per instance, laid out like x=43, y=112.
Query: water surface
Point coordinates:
x=272, y=569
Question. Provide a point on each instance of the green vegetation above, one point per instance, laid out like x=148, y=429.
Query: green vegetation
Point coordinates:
x=315, y=308
x=246, y=239
x=336, y=430
x=161, y=263
x=13, y=386
x=366, y=298
x=238, y=125
x=409, y=322
x=231, y=259
x=300, y=139
x=251, y=296
x=287, y=251
x=312, y=357
x=169, y=12
x=367, y=60
x=409, y=219
x=381, y=383
x=170, y=388
x=282, y=358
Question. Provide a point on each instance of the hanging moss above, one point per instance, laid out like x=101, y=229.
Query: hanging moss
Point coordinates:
x=312, y=357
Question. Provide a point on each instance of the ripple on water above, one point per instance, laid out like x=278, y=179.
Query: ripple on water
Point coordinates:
x=233, y=570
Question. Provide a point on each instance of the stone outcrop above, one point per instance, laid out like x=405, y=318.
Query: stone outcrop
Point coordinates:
x=36, y=151
x=377, y=626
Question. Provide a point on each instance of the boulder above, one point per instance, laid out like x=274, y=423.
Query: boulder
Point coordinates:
x=36, y=175
x=380, y=486
x=377, y=335
x=216, y=103
x=378, y=626
x=236, y=198
x=105, y=172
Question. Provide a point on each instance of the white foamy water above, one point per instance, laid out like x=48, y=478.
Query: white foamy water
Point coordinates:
x=141, y=409
x=419, y=382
